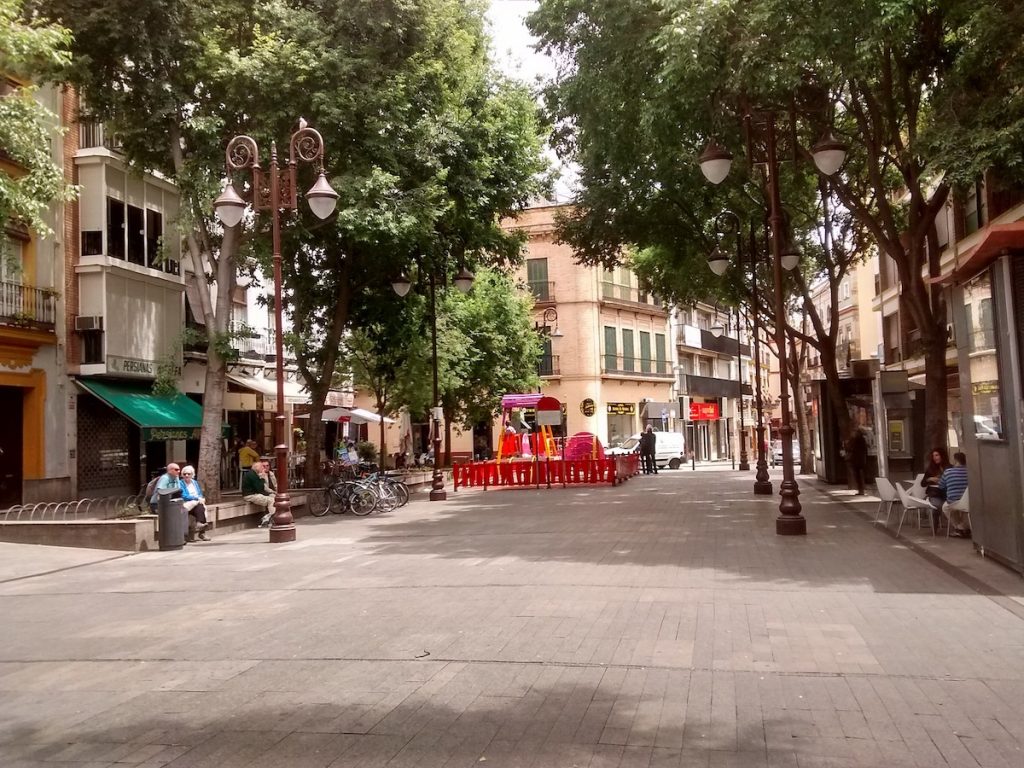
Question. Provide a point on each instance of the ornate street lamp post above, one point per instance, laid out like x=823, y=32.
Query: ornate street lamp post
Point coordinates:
x=715, y=162
x=402, y=285
x=718, y=261
x=274, y=191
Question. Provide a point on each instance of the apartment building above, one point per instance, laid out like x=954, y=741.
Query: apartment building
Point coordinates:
x=34, y=446
x=715, y=382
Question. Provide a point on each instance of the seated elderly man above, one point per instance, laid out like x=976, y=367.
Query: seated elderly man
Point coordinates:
x=953, y=484
x=257, y=489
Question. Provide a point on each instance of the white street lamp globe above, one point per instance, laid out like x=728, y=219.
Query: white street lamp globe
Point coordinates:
x=717, y=330
x=790, y=258
x=829, y=154
x=718, y=262
x=715, y=162
x=322, y=198
x=229, y=206
x=464, y=280
x=401, y=285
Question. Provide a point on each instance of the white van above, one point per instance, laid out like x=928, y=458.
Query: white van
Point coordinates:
x=668, y=449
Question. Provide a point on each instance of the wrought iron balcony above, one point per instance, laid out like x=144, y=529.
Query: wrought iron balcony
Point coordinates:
x=27, y=305
x=548, y=365
x=543, y=291
x=92, y=133
x=635, y=366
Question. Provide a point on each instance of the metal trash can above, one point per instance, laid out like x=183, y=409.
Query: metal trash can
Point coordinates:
x=172, y=521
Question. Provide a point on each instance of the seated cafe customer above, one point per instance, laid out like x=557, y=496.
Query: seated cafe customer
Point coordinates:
x=953, y=486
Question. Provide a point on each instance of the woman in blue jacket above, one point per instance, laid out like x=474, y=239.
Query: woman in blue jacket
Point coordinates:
x=193, y=502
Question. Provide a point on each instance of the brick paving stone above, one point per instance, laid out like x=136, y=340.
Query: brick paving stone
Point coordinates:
x=658, y=623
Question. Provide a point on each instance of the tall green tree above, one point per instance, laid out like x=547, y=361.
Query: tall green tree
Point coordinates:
x=425, y=144
x=30, y=46
x=926, y=93
x=500, y=347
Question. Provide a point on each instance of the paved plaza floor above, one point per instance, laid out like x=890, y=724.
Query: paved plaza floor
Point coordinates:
x=659, y=623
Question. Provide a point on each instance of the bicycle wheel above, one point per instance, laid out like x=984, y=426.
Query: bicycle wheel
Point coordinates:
x=387, y=498
x=401, y=491
x=339, y=497
x=362, y=500
x=319, y=501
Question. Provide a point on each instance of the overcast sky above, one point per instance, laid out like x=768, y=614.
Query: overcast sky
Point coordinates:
x=513, y=50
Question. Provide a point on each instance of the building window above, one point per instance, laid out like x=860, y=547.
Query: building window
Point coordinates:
x=660, y=356
x=645, y=352
x=983, y=358
x=627, y=350
x=974, y=209
x=546, y=366
x=136, y=231
x=10, y=262
x=844, y=290
x=610, y=348
x=154, y=239
x=706, y=367
x=537, y=279
x=115, y=228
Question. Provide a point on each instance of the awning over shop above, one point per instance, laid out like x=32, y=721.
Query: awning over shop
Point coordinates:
x=355, y=415
x=294, y=392
x=999, y=239
x=656, y=410
x=161, y=417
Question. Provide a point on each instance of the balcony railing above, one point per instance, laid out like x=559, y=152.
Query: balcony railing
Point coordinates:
x=629, y=294
x=542, y=290
x=27, y=305
x=548, y=365
x=635, y=366
x=92, y=133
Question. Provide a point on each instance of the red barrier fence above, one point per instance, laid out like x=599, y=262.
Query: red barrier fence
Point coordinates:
x=545, y=472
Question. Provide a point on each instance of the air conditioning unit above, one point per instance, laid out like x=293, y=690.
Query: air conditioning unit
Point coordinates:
x=89, y=323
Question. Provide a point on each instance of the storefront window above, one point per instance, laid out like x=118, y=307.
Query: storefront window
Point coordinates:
x=983, y=359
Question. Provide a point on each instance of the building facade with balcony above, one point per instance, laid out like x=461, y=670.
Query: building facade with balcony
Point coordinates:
x=34, y=448
x=714, y=380
x=608, y=357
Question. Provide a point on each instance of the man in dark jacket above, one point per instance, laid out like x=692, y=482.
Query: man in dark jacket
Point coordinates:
x=648, y=442
x=857, y=458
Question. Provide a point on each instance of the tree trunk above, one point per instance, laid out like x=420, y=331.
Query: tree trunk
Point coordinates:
x=936, y=431
x=447, y=439
x=798, y=410
x=315, y=437
x=383, y=448
x=835, y=393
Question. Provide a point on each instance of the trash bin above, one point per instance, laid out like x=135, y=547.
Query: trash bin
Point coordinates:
x=171, y=519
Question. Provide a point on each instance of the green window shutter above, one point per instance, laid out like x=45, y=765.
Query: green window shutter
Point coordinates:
x=645, y=352
x=627, y=350
x=537, y=278
x=659, y=353
x=610, y=351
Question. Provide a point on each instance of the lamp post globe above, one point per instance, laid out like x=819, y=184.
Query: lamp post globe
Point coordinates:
x=717, y=330
x=401, y=285
x=322, y=198
x=718, y=262
x=715, y=162
x=464, y=280
x=229, y=206
x=829, y=154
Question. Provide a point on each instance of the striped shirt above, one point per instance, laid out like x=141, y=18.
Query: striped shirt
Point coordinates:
x=954, y=483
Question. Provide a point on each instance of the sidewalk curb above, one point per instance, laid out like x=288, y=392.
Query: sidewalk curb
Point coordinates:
x=972, y=582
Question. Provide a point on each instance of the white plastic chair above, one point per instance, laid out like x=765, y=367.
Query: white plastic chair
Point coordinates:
x=962, y=504
x=886, y=496
x=917, y=489
x=916, y=505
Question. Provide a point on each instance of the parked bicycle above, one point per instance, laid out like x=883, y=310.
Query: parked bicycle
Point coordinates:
x=376, y=492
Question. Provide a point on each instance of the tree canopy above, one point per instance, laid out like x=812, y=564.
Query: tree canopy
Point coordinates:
x=927, y=95
x=30, y=47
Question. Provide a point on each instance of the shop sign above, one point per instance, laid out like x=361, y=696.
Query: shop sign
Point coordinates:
x=135, y=367
x=622, y=409
x=703, y=411
x=588, y=408
x=170, y=433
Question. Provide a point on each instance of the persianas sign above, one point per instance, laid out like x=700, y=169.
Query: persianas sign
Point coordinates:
x=703, y=411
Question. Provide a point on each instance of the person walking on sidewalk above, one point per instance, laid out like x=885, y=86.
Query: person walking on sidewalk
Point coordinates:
x=256, y=490
x=648, y=441
x=857, y=458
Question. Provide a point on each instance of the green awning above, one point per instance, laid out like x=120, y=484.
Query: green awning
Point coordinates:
x=161, y=417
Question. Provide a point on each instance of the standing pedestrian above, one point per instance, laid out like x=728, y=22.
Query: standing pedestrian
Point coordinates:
x=648, y=441
x=857, y=458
